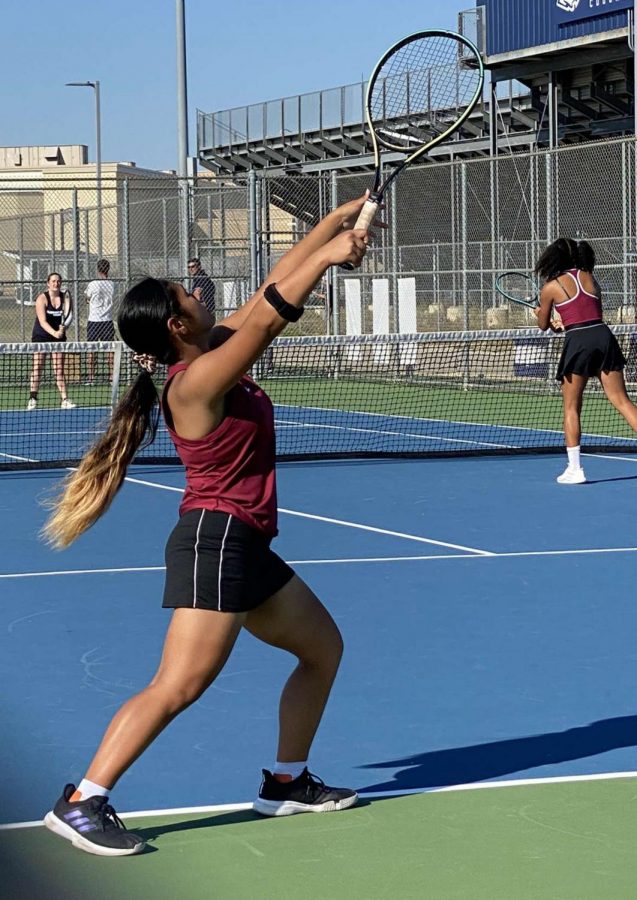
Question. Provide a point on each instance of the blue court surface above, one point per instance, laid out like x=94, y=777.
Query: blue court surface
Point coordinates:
x=49, y=434
x=488, y=613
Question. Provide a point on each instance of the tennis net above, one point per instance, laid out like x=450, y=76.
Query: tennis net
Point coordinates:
x=335, y=397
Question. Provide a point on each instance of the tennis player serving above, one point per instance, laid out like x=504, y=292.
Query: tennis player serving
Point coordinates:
x=590, y=348
x=221, y=575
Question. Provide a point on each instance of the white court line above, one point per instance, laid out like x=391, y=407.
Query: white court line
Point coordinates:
x=291, y=512
x=113, y=571
x=372, y=795
x=404, y=434
x=492, y=425
x=19, y=458
x=354, y=559
x=400, y=534
x=607, y=456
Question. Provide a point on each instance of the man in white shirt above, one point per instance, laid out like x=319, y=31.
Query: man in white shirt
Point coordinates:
x=99, y=294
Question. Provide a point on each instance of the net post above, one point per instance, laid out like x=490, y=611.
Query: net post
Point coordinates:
x=117, y=366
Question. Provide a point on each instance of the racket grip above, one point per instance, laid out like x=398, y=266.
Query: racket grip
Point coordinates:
x=367, y=214
x=365, y=219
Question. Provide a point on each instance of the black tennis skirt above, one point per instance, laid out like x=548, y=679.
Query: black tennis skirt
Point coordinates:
x=40, y=336
x=216, y=561
x=588, y=350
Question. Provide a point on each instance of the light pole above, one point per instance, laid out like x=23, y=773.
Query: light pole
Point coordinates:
x=182, y=136
x=98, y=154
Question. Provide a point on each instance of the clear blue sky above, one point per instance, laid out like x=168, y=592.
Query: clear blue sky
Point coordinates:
x=237, y=54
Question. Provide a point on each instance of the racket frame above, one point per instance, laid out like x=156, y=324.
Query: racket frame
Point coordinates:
x=536, y=290
x=67, y=309
x=369, y=210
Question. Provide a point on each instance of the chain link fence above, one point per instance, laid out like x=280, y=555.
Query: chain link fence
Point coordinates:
x=451, y=228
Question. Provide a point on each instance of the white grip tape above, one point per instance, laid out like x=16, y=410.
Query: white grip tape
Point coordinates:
x=367, y=214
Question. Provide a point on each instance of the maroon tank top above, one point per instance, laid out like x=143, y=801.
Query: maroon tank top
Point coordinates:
x=232, y=468
x=582, y=307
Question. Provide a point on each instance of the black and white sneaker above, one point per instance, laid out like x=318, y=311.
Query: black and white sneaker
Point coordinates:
x=305, y=794
x=92, y=825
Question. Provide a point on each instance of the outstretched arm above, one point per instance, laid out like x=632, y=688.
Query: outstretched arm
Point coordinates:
x=211, y=375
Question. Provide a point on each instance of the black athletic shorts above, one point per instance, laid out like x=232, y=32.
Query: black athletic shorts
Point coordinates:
x=100, y=331
x=216, y=561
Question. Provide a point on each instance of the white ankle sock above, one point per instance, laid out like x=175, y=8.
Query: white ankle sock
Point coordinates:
x=88, y=788
x=573, y=457
x=293, y=769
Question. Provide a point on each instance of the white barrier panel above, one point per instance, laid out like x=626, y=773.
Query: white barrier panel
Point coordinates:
x=230, y=295
x=407, y=319
x=407, y=306
x=353, y=311
x=380, y=306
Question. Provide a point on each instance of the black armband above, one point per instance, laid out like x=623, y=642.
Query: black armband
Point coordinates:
x=285, y=310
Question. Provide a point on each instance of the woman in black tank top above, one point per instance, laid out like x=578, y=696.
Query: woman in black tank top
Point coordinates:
x=49, y=328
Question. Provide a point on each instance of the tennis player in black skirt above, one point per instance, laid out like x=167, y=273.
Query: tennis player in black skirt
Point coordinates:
x=590, y=348
x=221, y=574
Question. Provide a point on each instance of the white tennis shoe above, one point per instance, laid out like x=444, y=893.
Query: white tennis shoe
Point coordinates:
x=67, y=404
x=572, y=475
x=32, y=404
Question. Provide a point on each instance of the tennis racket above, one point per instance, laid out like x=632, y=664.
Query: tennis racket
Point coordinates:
x=518, y=287
x=421, y=90
x=67, y=310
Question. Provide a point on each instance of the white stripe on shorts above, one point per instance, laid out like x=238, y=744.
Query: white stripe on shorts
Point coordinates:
x=223, y=544
x=194, y=570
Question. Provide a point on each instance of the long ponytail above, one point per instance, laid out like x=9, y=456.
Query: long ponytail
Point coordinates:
x=88, y=492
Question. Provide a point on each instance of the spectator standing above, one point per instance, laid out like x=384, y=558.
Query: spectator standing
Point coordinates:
x=199, y=278
x=99, y=294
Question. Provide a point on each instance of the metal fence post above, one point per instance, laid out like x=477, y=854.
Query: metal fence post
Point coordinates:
x=335, y=278
x=549, y=196
x=21, y=264
x=125, y=239
x=394, y=258
x=164, y=234
x=464, y=248
x=494, y=213
x=626, y=200
x=75, y=214
x=324, y=207
x=53, y=242
x=252, y=229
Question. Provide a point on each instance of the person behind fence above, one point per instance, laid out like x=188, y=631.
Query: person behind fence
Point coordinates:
x=199, y=278
x=590, y=349
x=49, y=329
x=99, y=327
x=221, y=574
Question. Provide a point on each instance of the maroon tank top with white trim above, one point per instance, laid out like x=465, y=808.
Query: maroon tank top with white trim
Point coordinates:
x=582, y=307
x=232, y=469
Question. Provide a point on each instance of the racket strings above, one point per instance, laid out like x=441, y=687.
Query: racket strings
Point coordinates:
x=517, y=286
x=419, y=91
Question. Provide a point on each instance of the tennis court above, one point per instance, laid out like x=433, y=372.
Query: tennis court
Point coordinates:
x=484, y=708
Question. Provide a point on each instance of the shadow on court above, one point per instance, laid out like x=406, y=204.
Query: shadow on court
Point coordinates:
x=481, y=762
x=238, y=817
x=605, y=480
x=231, y=818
